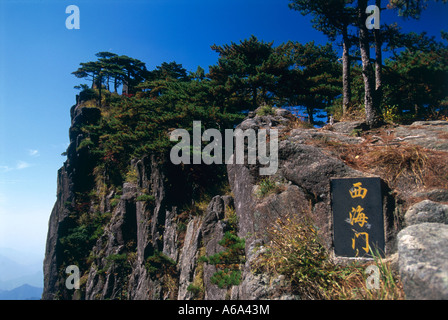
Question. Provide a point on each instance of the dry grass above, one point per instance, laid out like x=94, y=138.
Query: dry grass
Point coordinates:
x=354, y=286
x=436, y=173
x=398, y=163
x=296, y=252
x=354, y=113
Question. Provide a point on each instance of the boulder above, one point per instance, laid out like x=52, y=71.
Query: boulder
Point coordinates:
x=423, y=261
x=427, y=134
x=427, y=211
x=349, y=127
x=437, y=195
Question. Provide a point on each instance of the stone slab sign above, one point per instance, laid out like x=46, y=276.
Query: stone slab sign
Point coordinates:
x=358, y=222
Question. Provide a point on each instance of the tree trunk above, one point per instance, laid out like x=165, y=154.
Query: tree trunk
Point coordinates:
x=372, y=113
x=346, y=86
x=115, y=85
x=378, y=64
x=100, y=80
x=254, y=98
x=126, y=83
x=310, y=111
x=125, y=89
x=416, y=110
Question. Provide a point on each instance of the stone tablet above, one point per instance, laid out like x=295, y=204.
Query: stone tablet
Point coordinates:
x=358, y=227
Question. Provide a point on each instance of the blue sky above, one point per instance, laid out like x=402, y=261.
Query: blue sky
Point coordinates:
x=38, y=54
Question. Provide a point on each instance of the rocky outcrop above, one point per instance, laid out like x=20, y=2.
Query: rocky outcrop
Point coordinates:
x=71, y=179
x=423, y=261
x=148, y=246
x=423, y=258
x=428, y=134
x=144, y=250
x=427, y=211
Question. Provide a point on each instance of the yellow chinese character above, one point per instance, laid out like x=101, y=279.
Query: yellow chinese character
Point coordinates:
x=358, y=216
x=357, y=191
x=366, y=237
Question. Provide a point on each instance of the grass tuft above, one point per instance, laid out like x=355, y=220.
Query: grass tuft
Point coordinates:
x=296, y=252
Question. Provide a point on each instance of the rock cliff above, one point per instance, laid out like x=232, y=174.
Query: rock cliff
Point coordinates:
x=139, y=242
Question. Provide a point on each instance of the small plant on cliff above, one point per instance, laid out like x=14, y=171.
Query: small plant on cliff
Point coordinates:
x=163, y=268
x=159, y=264
x=226, y=278
x=194, y=289
x=269, y=186
x=86, y=143
x=146, y=198
x=231, y=217
x=132, y=175
x=228, y=262
x=120, y=265
x=197, y=286
x=266, y=110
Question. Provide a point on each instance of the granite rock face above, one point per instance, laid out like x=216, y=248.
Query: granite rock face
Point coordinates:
x=428, y=134
x=70, y=180
x=423, y=261
x=148, y=248
x=427, y=211
x=423, y=258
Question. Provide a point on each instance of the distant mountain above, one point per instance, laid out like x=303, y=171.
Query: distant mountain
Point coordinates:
x=33, y=279
x=24, y=292
x=19, y=268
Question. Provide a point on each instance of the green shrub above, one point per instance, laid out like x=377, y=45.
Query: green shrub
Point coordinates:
x=391, y=114
x=266, y=110
x=146, y=198
x=86, y=143
x=87, y=94
x=132, y=175
x=117, y=258
x=228, y=262
x=269, y=186
x=194, y=289
x=82, y=236
x=114, y=202
x=159, y=264
x=226, y=278
x=231, y=217
x=98, y=223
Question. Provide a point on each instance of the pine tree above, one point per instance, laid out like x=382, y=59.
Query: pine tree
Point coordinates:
x=315, y=76
x=333, y=18
x=417, y=77
x=247, y=72
x=410, y=8
x=132, y=72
